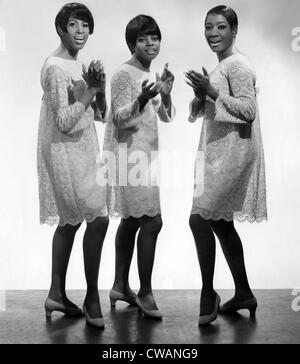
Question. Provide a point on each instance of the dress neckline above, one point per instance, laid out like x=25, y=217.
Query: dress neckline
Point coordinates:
x=136, y=68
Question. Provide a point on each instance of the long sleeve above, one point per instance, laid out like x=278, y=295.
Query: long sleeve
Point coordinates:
x=125, y=107
x=241, y=106
x=163, y=113
x=192, y=118
x=98, y=115
x=69, y=118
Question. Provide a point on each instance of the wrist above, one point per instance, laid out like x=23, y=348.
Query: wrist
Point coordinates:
x=92, y=91
x=142, y=99
x=101, y=94
x=213, y=93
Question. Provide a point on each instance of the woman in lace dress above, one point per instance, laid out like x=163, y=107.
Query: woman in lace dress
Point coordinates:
x=138, y=96
x=234, y=171
x=68, y=158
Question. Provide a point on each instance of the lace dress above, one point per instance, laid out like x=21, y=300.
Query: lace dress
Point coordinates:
x=230, y=170
x=68, y=152
x=132, y=138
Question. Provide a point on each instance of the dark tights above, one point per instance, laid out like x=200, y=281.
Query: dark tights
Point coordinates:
x=203, y=232
x=63, y=240
x=149, y=228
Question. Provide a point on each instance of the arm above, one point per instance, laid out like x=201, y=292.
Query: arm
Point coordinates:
x=125, y=110
x=197, y=108
x=67, y=117
x=241, y=107
x=166, y=113
x=100, y=108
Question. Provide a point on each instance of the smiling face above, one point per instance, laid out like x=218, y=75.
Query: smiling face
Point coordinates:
x=147, y=47
x=76, y=35
x=219, y=35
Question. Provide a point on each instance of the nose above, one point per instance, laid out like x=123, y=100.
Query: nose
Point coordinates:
x=79, y=28
x=149, y=41
x=213, y=33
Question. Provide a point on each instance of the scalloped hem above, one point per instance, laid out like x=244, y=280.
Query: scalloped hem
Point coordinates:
x=209, y=215
x=117, y=215
x=54, y=220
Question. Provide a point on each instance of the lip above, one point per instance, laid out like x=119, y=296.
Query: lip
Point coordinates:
x=215, y=43
x=79, y=40
x=151, y=51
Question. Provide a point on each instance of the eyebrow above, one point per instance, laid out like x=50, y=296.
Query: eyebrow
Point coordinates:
x=74, y=19
x=220, y=22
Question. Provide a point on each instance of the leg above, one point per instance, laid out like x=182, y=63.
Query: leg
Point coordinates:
x=150, y=228
x=63, y=240
x=233, y=250
x=124, y=244
x=206, y=251
x=92, y=248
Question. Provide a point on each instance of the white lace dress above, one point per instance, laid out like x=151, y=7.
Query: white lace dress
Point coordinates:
x=132, y=137
x=230, y=182
x=68, y=153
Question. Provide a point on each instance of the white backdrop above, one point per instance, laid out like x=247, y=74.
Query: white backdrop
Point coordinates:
x=267, y=34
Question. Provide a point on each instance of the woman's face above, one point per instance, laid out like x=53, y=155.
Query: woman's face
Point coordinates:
x=218, y=33
x=147, y=47
x=76, y=35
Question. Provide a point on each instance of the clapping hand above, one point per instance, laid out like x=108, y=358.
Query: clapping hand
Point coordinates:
x=150, y=91
x=95, y=77
x=167, y=80
x=76, y=91
x=201, y=84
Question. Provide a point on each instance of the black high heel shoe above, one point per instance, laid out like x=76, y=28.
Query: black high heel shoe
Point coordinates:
x=152, y=314
x=207, y=319
x=115, y=296
x=51, y=305
x=97, y=322
x=232, y=307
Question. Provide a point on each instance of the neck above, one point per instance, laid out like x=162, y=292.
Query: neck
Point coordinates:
x=227, y=53
x=140, y=64
x=65, y=53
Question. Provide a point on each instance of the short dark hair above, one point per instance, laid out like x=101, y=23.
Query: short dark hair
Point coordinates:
x=228, y=13
x=141, y=24
x=77, y=11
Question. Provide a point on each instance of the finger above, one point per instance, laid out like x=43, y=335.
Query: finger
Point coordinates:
x=84, y=69
x=171, y=76
x=97, y=66
x=205, y=72
x=144, y=84
x=194, y=77
x=190, y=84
x=101, y=67
x=92, y=65
x=158, y=79
x=158, y=87
x=148, y=88
x=197, y=74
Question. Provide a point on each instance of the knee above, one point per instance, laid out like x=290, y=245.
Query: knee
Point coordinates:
x=223, y=229
x=68, y=231
x=197, y=223
x=130, y=225
x=99, y=225
x=193, y=222
x=152, y=224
